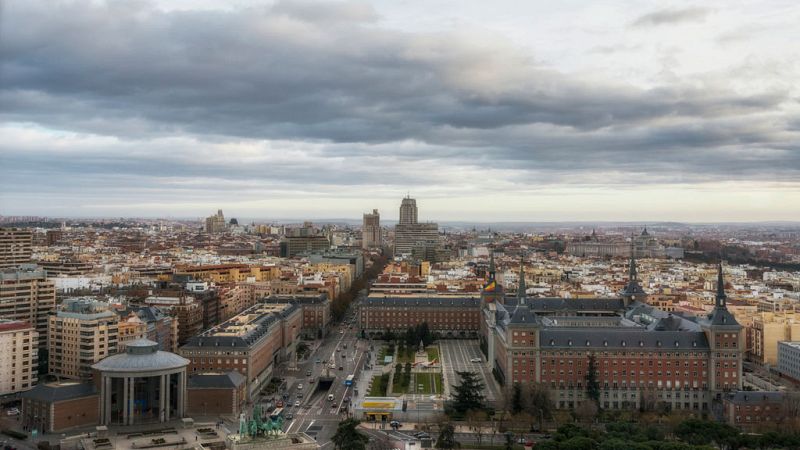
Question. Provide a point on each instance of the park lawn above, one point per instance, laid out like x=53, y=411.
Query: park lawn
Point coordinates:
x=433, y=353
x=431, y=383
x=378, y=388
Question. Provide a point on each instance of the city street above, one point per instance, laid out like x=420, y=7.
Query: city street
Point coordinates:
x=316, y=415
x=456, y=356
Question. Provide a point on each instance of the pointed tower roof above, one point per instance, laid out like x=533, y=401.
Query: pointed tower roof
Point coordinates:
x=491, y=265
x=522, y=288
x=644, y=232
x=633, y=290
x=522, y=314
x=632, y=273
x=720, y=316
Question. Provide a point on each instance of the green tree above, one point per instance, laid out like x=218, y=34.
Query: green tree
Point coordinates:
x=348, y=437
x=578, y=443
x=447, y=438
x=469, y=394
x=592, y=385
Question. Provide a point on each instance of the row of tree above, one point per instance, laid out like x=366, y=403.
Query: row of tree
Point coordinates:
x=340, y=304
x=411, y=337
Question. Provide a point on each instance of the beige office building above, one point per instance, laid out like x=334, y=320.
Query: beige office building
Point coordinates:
x=27, y=295
x=15, y=246
x=80, y=334
x=19, y=356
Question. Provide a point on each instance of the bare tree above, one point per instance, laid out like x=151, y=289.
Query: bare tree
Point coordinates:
x=586, y=411
x=475, y=420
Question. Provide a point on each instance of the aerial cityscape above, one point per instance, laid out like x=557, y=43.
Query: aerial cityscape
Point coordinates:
x=264, y=225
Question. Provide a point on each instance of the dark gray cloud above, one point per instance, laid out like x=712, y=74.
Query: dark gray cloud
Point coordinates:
x=671, y=16
x=361, y=104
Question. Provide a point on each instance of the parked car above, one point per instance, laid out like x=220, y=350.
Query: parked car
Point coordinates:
x=317, y=361
x=289, y=416
x=308, y=373
x=12, y=412
x=475, y=360
x=297, y=403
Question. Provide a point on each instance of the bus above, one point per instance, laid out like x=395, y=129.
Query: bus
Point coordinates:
x=349, y=380
x=278, y=412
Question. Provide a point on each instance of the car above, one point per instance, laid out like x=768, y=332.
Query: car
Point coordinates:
x=12, y=412
x=300, y=396
x=299, y=386
x=395, y=424
x=289, y=416
x=308, y=373
x=297, y=403
x=341, y=331
x=475, y=360
x=341, y=367
x=317, y=361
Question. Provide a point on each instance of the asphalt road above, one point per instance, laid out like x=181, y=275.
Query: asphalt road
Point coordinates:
x=317, y=416
x=456, y=356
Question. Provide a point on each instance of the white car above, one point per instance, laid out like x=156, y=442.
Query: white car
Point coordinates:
x=297, y=403
x=12, y=412
x=300, y=386
x=475, y=360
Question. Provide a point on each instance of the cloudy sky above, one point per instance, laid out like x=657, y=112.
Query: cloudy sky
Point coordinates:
x=486, y=111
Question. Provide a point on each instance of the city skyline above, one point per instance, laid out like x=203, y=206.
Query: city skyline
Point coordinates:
x=577, y=112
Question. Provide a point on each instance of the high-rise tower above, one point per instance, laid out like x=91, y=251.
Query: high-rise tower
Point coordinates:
x=408, y=211
x=371, y=230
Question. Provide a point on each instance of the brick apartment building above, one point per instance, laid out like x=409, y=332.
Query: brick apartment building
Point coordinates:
x=449, y=316
x=251, y=343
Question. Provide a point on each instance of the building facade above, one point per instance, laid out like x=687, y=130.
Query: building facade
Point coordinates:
x=371, y=230
x=251, y=343
x=216, y=223
x=15, y=246
x=27, y=295
x=80, y=334
x=19, y=361
x=451, y=317
x=789, y=359
x=639, y=362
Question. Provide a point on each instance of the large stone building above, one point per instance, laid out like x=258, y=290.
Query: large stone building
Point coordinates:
x=216, y=223
x=15, y=246
x=642, y=356
x=19, y=359
x=251, y=343
x=371, y=230
x=80, y=334
x=316, y=312
x=645, y=245
x=448, y=316
x=26, y=294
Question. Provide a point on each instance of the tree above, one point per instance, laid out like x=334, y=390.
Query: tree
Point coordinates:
x=469, y=394
x=592, y=385
x=388, y=335
x=586, y=411
x=509, y=441
x=447, y=438
x=348, y=437
x=516, y=398
x=538, y=402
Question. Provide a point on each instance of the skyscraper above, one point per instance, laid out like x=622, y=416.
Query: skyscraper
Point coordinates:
x=408, y=211
x=411, y=237
x=371, y=230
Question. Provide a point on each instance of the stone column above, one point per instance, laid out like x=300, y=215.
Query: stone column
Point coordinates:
x=131, y=400
x=161, y=397
x=106, y=398
x=181, y=393
x=167, y=397
x=125, y=402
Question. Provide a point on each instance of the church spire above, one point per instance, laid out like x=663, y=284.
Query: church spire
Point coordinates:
x=632, y=274
x=721, y=297
x=521, y=289
x=491, y=266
